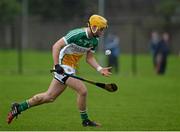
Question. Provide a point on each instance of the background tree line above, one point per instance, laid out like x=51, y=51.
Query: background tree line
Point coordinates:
x=66, y=11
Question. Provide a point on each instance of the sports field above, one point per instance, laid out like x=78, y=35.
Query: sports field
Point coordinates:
x=144, y=101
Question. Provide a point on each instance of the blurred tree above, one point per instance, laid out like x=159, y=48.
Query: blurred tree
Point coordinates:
x=167, y=8
x=9, y=9
x=57, y=9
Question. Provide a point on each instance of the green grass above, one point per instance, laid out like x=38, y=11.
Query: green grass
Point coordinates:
x=144, y=101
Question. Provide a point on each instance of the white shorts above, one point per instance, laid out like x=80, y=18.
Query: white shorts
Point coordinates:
x=62, y=78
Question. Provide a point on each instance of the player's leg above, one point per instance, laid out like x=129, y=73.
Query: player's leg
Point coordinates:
x=163, y=65
x=81, y=90
x=158, y=63
x=154, y=60
x=54, y=90
x=116, y=64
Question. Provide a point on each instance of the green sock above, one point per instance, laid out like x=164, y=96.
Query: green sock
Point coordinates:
x=23, y=106
x=84, y=115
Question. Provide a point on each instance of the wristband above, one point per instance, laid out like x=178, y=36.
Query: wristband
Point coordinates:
x=99, y=68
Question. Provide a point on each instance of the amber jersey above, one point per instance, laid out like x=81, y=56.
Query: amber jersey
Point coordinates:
x=77, y=44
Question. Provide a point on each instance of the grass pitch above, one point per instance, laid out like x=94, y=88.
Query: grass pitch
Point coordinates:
x=144, y=101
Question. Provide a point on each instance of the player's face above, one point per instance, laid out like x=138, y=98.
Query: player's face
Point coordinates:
x=100, y=32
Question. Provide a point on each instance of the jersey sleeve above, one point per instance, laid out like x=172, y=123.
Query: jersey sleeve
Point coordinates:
x=69, y=39
x=73, y=36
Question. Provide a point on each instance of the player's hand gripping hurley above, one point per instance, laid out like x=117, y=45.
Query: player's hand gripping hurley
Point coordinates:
x=112, y=87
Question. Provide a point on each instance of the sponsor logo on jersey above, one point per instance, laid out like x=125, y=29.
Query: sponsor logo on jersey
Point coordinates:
x=79, y=49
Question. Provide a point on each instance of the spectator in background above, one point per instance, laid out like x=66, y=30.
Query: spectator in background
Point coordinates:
x=112, y=43
x=160, y=50
x=154, y=41
x=163, y=51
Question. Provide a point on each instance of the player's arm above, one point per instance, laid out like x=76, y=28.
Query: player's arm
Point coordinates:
x=92, y=61
x=56, y=49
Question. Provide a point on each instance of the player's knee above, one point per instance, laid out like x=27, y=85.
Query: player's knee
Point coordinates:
x=83, y=92
x=50, y=98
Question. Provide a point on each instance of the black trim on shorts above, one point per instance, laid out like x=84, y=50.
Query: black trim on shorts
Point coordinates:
x=63, y=80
